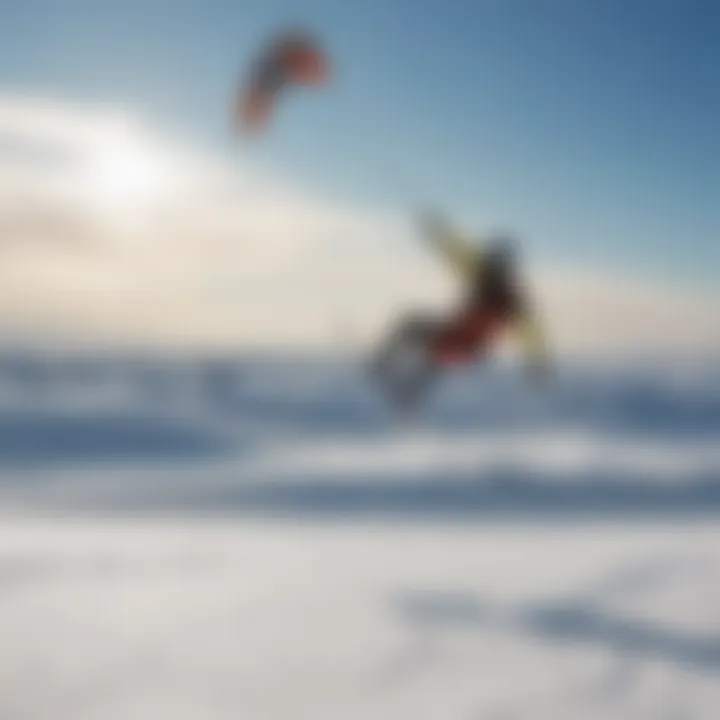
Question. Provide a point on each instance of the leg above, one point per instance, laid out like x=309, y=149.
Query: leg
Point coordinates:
x=409, y=334
x=411, y=388
x=404, y=365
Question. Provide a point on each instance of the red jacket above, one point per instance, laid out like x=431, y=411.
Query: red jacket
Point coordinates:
x=469, y=335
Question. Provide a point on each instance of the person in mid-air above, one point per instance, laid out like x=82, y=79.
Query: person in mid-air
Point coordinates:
x=419, y=346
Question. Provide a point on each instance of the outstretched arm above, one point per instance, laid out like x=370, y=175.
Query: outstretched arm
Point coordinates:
x=533, y=337
x=451, y=245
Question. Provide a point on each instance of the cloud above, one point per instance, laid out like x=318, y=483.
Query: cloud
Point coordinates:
x=114, y=230
x=595, y=313
x=209, y=250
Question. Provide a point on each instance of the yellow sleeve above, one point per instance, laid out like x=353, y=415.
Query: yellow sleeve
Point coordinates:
x=457, y=251
x=533, y=338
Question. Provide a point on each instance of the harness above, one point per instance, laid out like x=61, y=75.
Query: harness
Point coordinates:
x=490, y=308
x=468, y=336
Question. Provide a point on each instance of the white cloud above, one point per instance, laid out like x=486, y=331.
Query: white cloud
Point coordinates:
x=594, y=313
x=111, y=229
x=108, y=228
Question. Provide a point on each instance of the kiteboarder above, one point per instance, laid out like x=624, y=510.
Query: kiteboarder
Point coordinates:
x=420, y=346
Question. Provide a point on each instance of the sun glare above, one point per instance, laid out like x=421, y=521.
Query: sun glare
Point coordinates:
x=125, y=174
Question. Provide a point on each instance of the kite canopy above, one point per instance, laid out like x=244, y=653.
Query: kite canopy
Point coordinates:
x=293, y=60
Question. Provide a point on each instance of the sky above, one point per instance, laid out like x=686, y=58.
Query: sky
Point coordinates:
x=589, y=129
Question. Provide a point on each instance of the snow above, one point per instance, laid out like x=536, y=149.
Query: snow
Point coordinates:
x=193, y=619
x=255, y=538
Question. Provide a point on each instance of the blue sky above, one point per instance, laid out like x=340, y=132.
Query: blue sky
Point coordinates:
x=590, y=128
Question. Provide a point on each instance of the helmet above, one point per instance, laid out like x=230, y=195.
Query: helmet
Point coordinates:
x=501, y=253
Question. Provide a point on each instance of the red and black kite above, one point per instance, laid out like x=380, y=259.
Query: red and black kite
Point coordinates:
x=293, y=60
